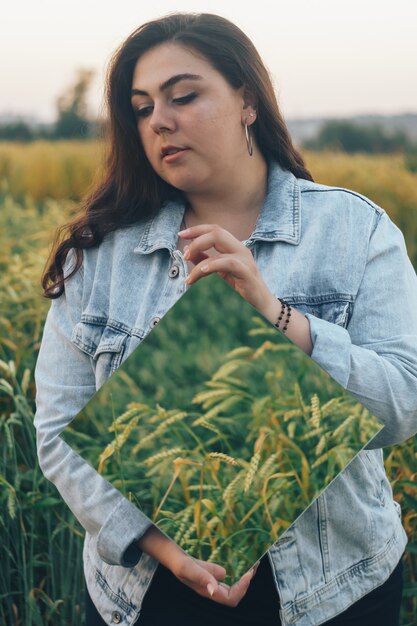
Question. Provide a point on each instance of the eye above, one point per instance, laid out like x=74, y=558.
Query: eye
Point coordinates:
x=147, y=110
x=185, y=99
x=143, y=112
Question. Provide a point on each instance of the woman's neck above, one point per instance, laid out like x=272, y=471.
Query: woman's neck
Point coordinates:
x=236, y=205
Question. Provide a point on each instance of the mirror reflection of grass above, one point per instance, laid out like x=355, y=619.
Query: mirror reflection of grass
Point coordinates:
x=227, y=478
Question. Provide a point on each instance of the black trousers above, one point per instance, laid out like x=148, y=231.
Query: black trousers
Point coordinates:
x=168, y=602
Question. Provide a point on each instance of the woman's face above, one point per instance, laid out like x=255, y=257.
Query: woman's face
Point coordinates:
x=190, y=120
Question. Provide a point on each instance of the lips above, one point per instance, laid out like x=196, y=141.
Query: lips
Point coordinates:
x=169, y=150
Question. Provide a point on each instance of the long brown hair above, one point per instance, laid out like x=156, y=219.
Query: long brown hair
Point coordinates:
x=130, y=190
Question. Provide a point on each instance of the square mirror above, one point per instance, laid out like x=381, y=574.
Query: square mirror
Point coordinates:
x=217, y=427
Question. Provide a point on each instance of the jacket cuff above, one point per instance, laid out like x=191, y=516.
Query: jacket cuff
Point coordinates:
x=331, y=348
x=116, y=539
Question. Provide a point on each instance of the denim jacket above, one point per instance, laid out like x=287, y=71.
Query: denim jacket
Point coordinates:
x=336, y=257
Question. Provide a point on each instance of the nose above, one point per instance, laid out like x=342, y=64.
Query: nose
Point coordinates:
x=161, y=119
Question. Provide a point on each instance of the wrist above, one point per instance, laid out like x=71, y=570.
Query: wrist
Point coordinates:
x=298, y=326
x=271, y=307
x=284, y=316
x=160, y=547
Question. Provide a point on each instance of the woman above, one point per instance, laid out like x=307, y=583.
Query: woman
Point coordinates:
x=197, y=142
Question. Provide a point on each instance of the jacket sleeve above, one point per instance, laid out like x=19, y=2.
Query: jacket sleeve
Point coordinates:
x=65, y=382
x=375, y=358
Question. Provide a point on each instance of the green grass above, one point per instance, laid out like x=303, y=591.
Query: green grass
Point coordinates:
x=41, y=580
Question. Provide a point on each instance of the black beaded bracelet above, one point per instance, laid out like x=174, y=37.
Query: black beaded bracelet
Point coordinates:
x=281, y=315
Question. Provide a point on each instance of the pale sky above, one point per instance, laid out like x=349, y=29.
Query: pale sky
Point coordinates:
x=327, y=57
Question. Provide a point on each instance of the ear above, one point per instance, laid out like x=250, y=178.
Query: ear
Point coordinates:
x=249, y=108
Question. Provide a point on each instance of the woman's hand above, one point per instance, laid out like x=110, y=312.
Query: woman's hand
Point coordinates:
x=201, y=577
x=234, y=263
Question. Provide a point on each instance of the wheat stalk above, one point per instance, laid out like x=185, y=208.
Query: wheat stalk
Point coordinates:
x=343, y=425
x=207, y=398
x=315, y=411
x=253, y=466
x=177, y=417
x=268, y=465
x=231, y=489
x=223, y=457
x=185, y=518
x=162, y=455
x=321, y=445
x=187, y=535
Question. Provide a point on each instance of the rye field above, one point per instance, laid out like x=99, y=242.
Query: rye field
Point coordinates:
x=41, y=184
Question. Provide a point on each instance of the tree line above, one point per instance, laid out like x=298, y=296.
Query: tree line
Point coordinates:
x=351, y=137
x=72, y=118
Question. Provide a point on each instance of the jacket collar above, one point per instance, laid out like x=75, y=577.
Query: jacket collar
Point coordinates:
x=278, y=220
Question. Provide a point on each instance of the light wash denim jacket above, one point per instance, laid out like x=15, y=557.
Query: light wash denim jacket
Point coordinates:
x=335, y=256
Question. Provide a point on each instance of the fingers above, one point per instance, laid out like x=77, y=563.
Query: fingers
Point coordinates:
x=218, y=571
x=211, y=230
x=200, y=256
x=206, y=236
x=231, y=596
x=234, y=261
x=193, y=574
x=224, y=265
x=204, y=577
x=209, y=240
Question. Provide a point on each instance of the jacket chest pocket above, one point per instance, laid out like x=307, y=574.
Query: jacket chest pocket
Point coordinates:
x=104, y=344
x=334, y=309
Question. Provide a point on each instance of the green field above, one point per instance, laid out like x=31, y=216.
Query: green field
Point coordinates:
x=40, y=186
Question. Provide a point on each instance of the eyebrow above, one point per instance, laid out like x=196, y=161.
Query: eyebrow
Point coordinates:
x=168, y=83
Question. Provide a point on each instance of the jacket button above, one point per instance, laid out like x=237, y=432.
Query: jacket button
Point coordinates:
x=116, y=618
x=174, y=270
x=154, y=321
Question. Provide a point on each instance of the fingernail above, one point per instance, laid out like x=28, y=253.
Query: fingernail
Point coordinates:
x=186, y=252
x=210, y=588
x=181, y=232
x=204, y=268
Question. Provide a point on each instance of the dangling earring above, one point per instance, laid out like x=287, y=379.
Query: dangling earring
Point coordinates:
x=249, y=137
